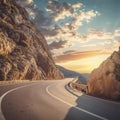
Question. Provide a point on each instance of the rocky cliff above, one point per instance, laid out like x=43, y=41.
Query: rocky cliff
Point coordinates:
x=105, y=81
x=24, y=52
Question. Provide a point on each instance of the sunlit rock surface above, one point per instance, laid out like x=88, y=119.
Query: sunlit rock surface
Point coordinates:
x=104, y=81
x=24, y=52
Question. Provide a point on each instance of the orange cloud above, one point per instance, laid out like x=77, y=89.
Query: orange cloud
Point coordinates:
x=76, y=55
x=85, y=65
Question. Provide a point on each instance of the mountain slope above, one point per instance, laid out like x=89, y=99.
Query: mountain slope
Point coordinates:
x=24, y=52
x=71, y=74
x=105, y=80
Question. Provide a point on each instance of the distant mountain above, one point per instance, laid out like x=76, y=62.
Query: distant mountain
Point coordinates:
x=105, y=80
x=24, y=53
x=85, y=75
x=71, y=74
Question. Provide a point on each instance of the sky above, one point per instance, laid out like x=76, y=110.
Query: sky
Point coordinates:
x=81, y=34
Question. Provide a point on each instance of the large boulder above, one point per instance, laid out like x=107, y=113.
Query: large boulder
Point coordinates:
x=104, y=81
x=24, y=52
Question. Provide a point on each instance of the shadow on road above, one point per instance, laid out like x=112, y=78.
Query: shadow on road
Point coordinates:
x=102, y=108
x=77, y=112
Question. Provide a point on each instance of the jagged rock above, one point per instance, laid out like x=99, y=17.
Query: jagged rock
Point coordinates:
x=105, y=81
x=24, y=52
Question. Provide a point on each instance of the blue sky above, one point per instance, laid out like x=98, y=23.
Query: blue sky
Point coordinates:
x=77, y=31
x=109, y=10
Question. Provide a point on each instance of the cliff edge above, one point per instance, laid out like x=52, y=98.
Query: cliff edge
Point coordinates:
x=104, y=81
x=24, y=52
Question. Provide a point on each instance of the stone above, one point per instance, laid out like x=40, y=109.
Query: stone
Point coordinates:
x=104, y=81
x=24, y=53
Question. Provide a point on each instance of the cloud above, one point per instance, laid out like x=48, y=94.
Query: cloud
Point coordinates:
x=77, y=5
x=65, y=33
x=114, y=47
x=60, y=11
x=67, y=29
x=76, y=55
x=74, y=12
x=40, y=19
x=24, y=2
x=58, y=44
x=70, y=52
x=83, y=16
x=73, y=16
x=30, y=6
x=89, y=45
x=98, y=35
x=117, y=32
x=29, y=1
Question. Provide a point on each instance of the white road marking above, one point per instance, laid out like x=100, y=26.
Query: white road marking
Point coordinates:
x=1, y=98
x=47, y=90
x=69, y=104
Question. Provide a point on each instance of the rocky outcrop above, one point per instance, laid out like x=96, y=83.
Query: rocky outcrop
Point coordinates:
x=105, y=81
x=24, y=52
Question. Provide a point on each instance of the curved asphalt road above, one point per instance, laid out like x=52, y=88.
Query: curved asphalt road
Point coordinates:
x=50, y=100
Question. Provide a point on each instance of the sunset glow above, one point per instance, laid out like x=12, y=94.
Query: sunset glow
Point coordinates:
x=80, y=33
x=85, y=65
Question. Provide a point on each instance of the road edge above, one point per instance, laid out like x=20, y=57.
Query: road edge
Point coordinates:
x=80, y=109
x=1, y=98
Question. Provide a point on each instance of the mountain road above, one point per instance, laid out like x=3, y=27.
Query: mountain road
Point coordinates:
x=51, y=100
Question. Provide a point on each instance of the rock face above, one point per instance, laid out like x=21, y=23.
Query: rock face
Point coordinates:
x=105, y=81
x=24, y=52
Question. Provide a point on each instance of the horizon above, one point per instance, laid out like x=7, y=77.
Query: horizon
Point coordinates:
x=80, y=34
